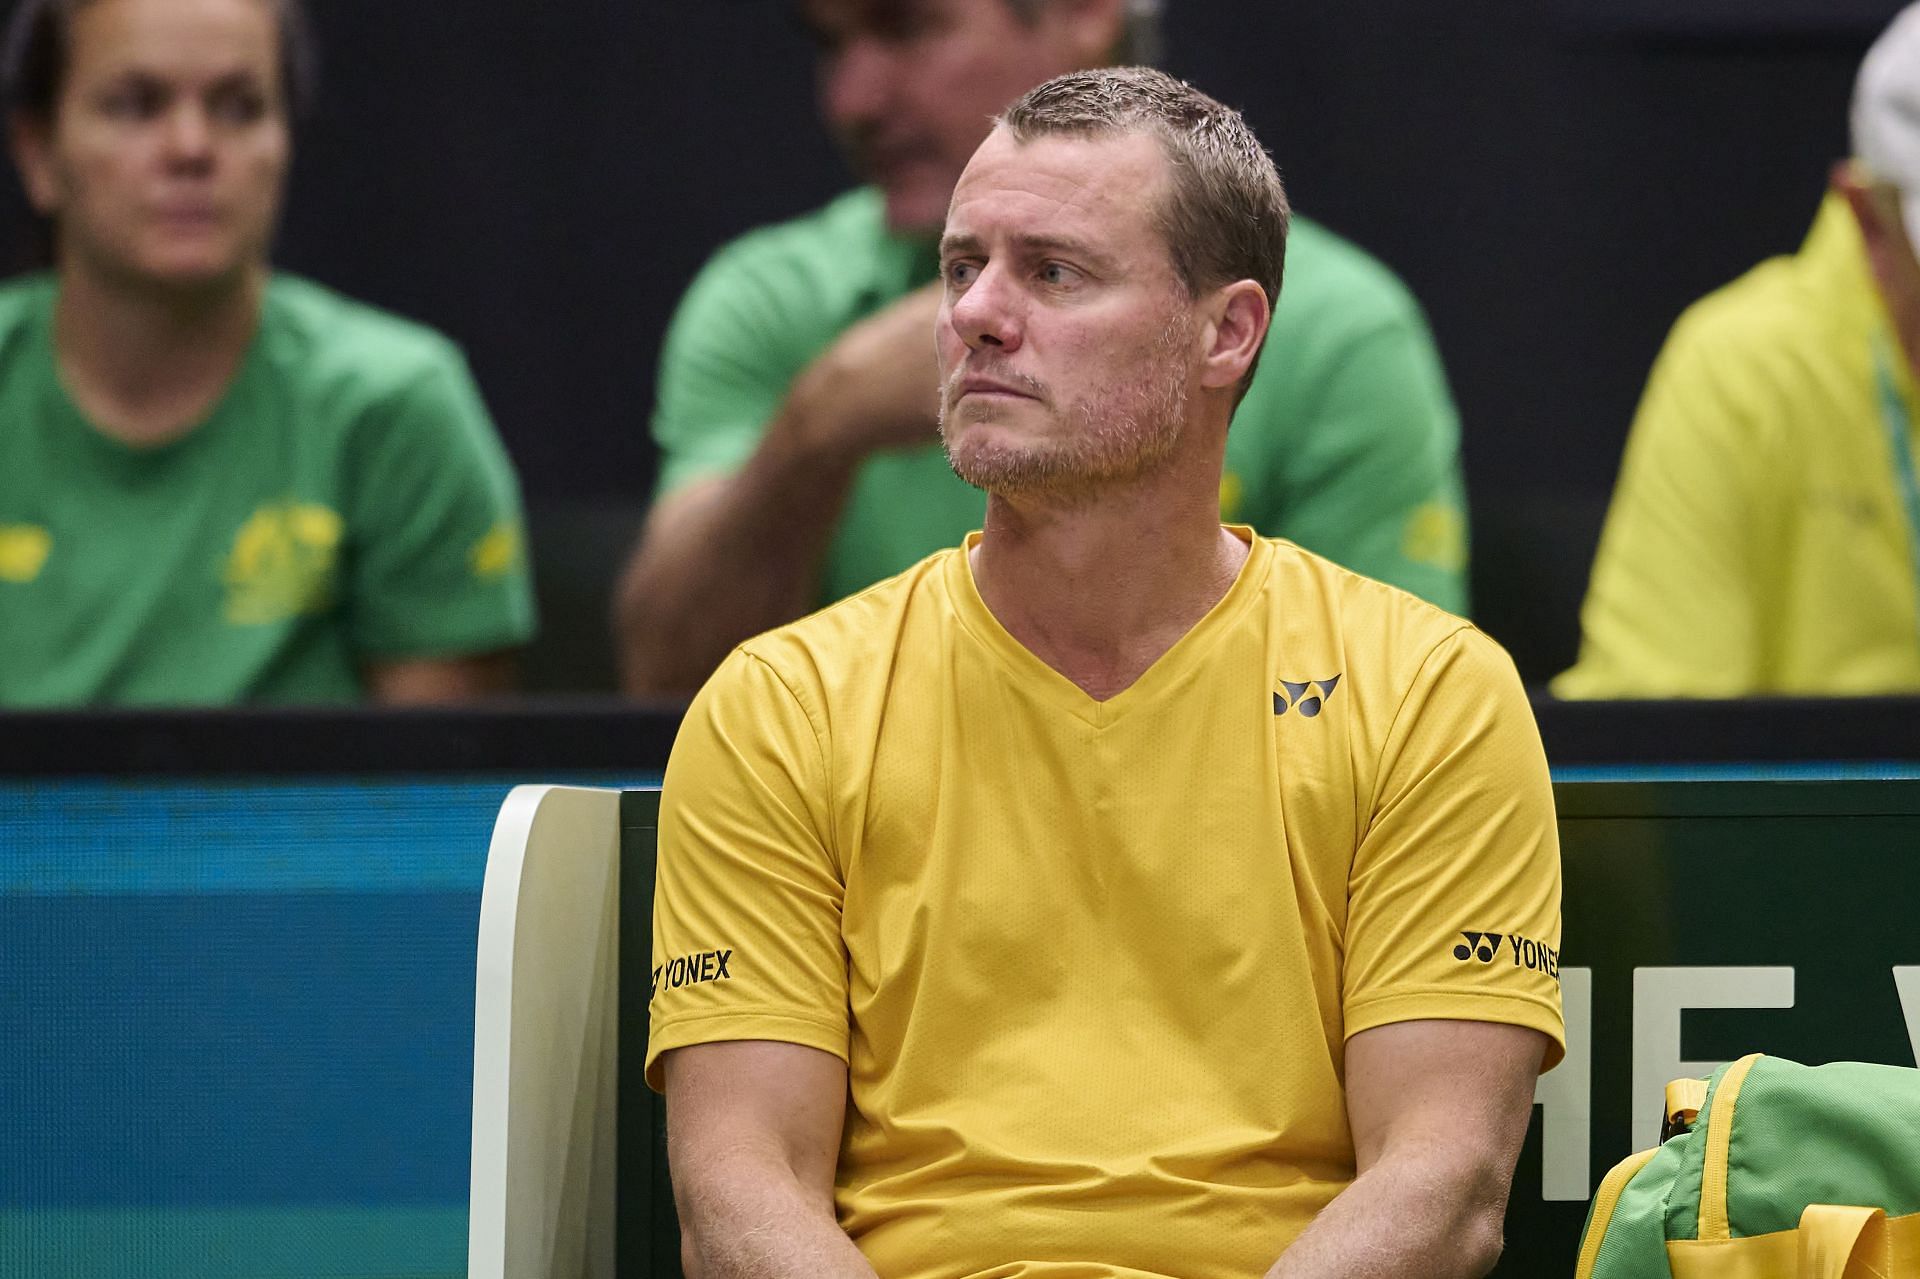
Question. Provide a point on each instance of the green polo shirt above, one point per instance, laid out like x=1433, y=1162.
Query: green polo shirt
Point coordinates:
x=346, y=501
x=1347, y=442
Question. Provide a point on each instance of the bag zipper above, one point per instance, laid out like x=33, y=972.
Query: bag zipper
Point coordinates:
x=1713, y=1176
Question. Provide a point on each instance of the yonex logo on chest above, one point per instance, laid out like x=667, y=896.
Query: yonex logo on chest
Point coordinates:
x=1307, y=696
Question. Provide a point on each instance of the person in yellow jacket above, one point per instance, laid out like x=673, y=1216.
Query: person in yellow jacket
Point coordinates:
x=1764, y=537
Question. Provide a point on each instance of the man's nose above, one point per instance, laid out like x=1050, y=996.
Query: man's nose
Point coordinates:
x=988, y=313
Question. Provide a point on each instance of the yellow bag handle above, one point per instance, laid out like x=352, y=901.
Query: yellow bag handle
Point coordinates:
x=1829, y=1243
x=1839, y=1242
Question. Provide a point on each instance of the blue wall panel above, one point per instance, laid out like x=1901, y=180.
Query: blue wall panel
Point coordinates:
x=236, y=1025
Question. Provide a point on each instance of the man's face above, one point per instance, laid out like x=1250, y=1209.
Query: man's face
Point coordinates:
x=1066, y=340
x=910, y=86
x=165, y=158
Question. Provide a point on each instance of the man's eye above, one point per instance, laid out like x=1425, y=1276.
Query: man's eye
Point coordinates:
x=961, y=273
x=1058, y=273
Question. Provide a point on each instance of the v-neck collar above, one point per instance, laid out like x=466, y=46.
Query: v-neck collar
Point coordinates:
x=1170, y=670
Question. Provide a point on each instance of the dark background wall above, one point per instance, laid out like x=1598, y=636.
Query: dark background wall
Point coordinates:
x=1555, y=180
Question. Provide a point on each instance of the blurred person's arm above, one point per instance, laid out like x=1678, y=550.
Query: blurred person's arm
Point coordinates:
x=1438, y=1111
x=427, y=680
x=1674, y=607
x=753, y=1133
x=728, y=555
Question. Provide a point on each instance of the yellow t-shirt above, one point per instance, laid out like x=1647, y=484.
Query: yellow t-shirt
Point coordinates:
x=1092, y=965
x=1757, y=540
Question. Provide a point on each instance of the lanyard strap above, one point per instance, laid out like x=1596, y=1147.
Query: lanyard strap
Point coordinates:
x=1899, y=425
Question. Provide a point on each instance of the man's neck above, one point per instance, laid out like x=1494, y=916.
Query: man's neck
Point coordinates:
x=146, y=366
x=1099, y=590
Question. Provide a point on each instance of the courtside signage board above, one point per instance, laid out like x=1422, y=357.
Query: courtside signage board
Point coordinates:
x=236, y=1032
x=1703, y=921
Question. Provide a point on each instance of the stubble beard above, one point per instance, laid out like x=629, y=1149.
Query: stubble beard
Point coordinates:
x=1127, y=431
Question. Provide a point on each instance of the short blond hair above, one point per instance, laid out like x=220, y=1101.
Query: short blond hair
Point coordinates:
x=1225, y=217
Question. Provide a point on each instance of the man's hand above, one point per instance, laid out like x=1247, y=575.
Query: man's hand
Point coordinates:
x=764, y=530
x=1438, y=1111
x=876, y=387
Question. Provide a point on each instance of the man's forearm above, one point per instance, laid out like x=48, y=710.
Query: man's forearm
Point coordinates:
x=1405, y=1219
x=757, y=1223
x=727, y=560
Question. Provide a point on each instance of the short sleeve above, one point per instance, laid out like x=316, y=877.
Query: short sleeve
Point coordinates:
x=725, y=367
x=748, y=896
x=1372, y=473
x=1674, y=604
x=1454, y=898
x=438, y=563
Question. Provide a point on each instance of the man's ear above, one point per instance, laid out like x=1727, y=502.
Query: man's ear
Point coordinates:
x=1087, y=31
x=31, y=140
x=1236, y=324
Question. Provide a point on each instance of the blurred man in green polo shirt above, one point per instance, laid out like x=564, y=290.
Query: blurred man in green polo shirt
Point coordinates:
x=799, y=458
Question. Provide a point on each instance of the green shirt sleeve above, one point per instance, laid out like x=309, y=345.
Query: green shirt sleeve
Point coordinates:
x=438, y=561
x=735, y=344
x=1366, y=466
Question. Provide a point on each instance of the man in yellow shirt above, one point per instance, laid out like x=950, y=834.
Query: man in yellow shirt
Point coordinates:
x=1764, y=536
x=1118, y=894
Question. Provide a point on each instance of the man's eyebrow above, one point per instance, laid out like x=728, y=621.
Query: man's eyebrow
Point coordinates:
x=1065, y=246
x=959, y=243
x=1034, y=245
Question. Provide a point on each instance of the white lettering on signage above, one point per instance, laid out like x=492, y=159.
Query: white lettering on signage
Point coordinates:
x=1565, y=1097
x=1907, y=982
x=1660, y=995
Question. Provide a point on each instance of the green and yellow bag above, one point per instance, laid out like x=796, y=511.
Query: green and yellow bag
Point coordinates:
x=1775, y=1171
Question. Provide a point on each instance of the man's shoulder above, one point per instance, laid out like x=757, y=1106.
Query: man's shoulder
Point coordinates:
x=851, y=641
x=1771, y=310
x=1330, y=278
x=783, y=291
x=1320, y=603
x=852, y=219
x=844, y=232
x=23, y=301
x=24, y=292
